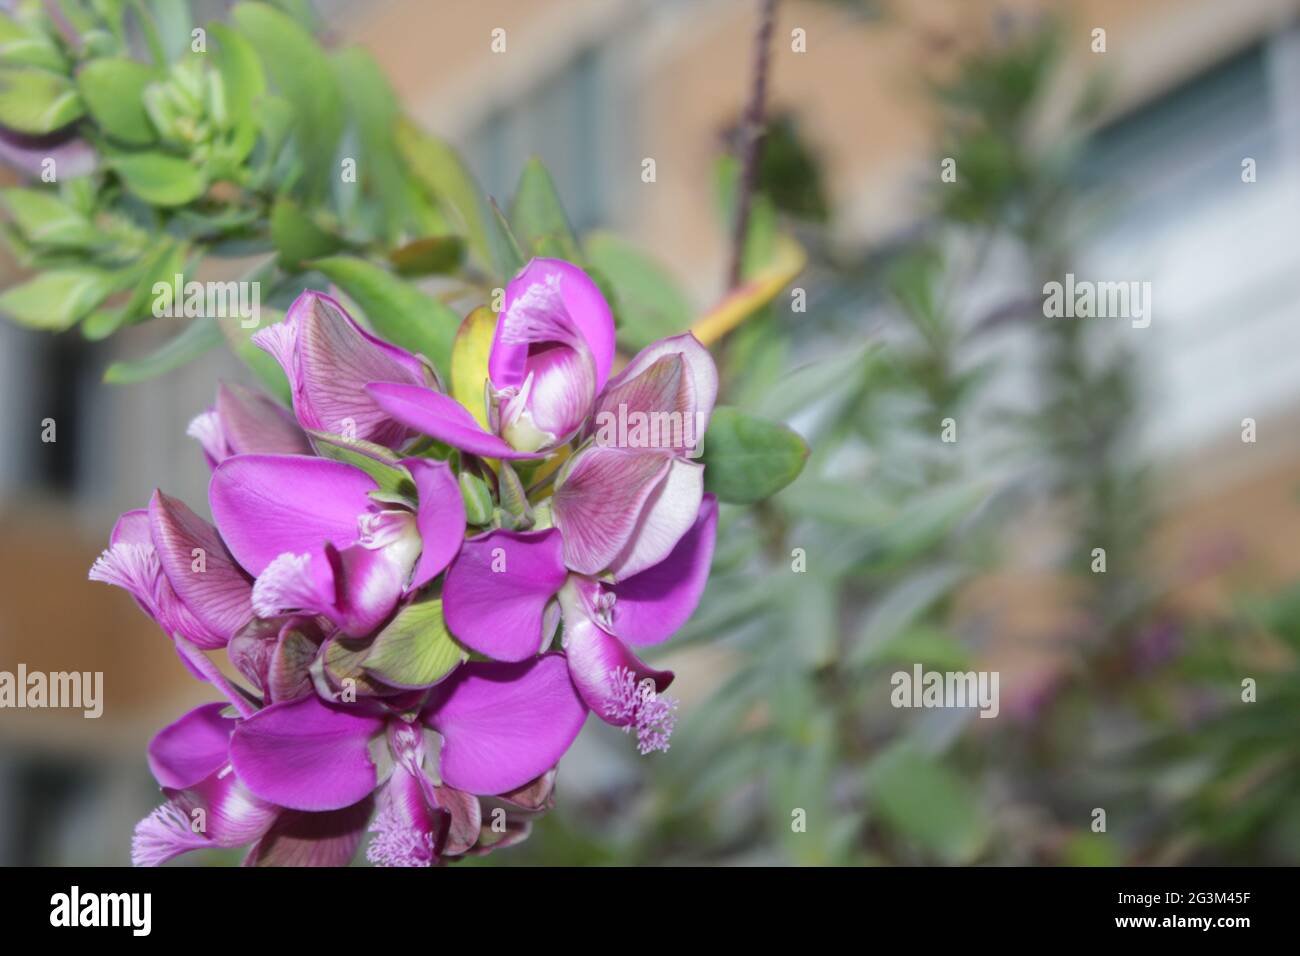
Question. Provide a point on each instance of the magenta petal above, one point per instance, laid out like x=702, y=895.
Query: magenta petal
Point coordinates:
x=200, y=570
x=232, y=816
x=495, y=595
x=650, y=383
x=131, y=563
x=312, y=839
x=254, y=424
x=219, y=811
x=650, y=606
x=305, y=755
x=328, y=359
x=504, y=724
x=266, y=505
x=583, y=307
x=191, y=748
x=440, y=517
x=600, y=665
x=372, y=582
x=668, y=513
x=442, y=417
x=599, y=501
x=409, y=827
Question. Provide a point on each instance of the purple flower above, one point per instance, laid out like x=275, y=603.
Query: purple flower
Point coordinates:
x=500, y=600
x=551, y=355
x=179, y=571
x=243, y=422
x=333, y=564
x=329, y=359
x=318, y=542
x=489, y=729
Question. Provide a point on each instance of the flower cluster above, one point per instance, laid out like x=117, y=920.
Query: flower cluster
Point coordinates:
x=425, y=599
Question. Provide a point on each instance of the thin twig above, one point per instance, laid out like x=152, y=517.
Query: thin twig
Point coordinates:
x=752, y=128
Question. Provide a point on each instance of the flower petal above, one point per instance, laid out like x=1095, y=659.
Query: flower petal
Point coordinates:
x=668, y=514
x=648, y=384
x=312, y=839
x=504, y=724
x=191, y=748
x=579, y=306
x=466, y=819
x=306, y=755
x=442, y=417
x=409, y=826
x=252, y=423
x=328, y=359
x=598, y=503
x=200, y=570
x=266, y=505
x=599, y=663
x=495, y=595
x=440, y=517
x=650, y=606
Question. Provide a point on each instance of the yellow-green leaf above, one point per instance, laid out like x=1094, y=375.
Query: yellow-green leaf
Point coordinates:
x=469, y=362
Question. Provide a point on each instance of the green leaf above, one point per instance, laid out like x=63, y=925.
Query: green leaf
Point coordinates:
x=507, y=255
x=242, y=77
x=747, y=458
x=538, y=217
x=37, y=102
x=469, y=362
x=397, y=311
x=243, y=86
x=441, y=172
x=416, y=649
x=930, y=646
x=21, y=45
x=402, y=208
x=900, y=608
x=928, y=803
x=648, y=302
x=198, y=337
x=375, y=460
x=113, y=90
x=56, y=299
x=46, y=220
x=173, y=21
x=297, y=238
x=432, y=255
x=162, y=264
x=302, y=73
x=160, y=179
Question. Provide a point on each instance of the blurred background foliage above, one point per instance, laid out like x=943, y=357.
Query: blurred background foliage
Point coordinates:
x=877, y=557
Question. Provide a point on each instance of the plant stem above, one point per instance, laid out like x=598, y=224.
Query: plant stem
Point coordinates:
x=752, y=128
